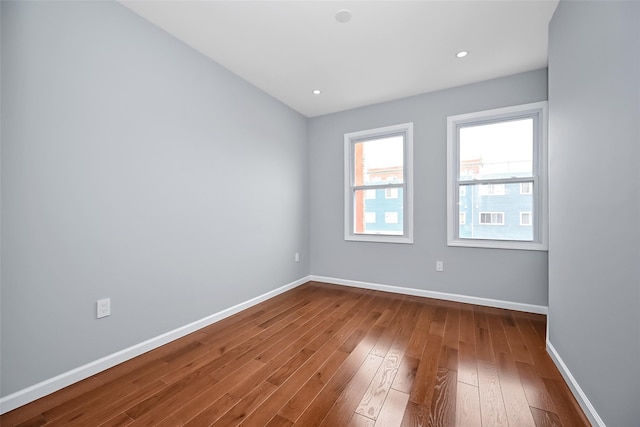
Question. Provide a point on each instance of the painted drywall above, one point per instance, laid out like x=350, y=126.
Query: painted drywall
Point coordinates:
x=508, y=275
x=594, y=255
x=137, y=169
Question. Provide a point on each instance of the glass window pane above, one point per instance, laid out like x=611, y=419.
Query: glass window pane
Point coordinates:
x=486, y=216
x=496, y=150
x=379, y=161
x=378, y=216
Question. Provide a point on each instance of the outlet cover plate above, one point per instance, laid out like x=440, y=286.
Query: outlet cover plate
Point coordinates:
x=103, y=308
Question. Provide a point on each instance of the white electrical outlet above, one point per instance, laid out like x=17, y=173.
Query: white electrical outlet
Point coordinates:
x=297, y=257
x=439, y=266
x=103, y=308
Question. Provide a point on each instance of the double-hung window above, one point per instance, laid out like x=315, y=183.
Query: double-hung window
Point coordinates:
x=378, y=185
x=496, y=172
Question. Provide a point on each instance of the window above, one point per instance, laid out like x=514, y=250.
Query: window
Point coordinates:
x=525, y=188
x=370, y=194
x=391, y=217
x=370, y=217
x=492, y=189
x=501, y=153
x=391, y=193
x=492, y=218
x=379, y=159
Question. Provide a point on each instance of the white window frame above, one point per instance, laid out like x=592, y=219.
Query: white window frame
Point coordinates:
x=462, y=217
x=537, y=111
x=405, y=129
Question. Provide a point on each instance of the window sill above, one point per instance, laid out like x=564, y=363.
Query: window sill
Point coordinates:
x=499, y=244
x=379, y=238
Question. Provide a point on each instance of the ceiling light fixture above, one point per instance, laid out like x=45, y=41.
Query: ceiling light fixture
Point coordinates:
x=462, y=54
x=316, y=92
x=343, y=16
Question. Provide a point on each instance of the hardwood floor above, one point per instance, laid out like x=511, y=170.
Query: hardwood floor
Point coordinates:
x=325, y=355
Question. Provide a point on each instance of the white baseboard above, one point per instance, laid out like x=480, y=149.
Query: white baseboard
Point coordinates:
x=582, y=399
x=56, y=383
x=517, y=306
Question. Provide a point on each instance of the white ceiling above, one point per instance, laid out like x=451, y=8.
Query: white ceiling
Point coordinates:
x=388, y=50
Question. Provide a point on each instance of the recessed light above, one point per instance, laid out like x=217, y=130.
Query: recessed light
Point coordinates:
x=316, y=92
x=462, y=54
x=343, y=16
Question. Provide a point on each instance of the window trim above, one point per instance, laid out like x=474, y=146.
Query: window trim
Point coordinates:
x=536, y=110
x=350, y=139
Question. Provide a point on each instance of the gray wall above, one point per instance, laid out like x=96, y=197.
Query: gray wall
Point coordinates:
x=510, y=275
x=594, y=255
x=133, y=168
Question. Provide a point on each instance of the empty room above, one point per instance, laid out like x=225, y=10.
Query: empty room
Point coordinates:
x=319, y=213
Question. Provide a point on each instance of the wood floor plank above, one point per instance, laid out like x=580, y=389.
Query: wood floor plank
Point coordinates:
x=279, y=421
x=498, y=335
x=207, y=405
x=392, y=410
x=214, y=411
x=96, y=412
x=534, y=388
x=438, y=321
x=545, y=419
x=484, y=346
x=443, y=404
x=376, y=394
x=567, y=407
x=515, y=400
x=38, y=407
x=120, y=420
x=491, y=403
x=347, y=403
x=467, y=363
x=170, y=399
x=415, y=415
x=537, y=349
x=516, y=343
x=246, y=405
x=467, y=406
x=421, y=331
x=316, y=371
x=330, y=354
x=331, y=381
x=392, y=328
x=406, y=374
x=467, y=325
x=451, y=335
x=360, y=421
x=315, y=413
x=425, y=380
x=308, y=393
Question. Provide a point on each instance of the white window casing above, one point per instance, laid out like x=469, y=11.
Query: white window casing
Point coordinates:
x=394, y=227
x=460, y=187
